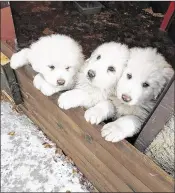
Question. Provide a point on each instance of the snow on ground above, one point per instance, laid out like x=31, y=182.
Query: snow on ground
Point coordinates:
x=30, y=162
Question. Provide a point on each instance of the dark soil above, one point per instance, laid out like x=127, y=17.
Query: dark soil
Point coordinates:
x=118, y=21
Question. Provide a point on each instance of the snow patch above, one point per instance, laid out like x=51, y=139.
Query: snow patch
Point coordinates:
x=27, y=165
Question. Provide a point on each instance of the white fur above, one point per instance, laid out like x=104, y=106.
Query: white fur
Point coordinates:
x=117, y=130
x=88, y=93
x=58, y=50
x=145, y=65
x=46, y=88
x=98, y=113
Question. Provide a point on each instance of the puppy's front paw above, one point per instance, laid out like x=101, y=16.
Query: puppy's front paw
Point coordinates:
x=113, y=132
x=94, y=115
x=48, y=90
x=38, y=81
x=43, y=86
x=67, y=100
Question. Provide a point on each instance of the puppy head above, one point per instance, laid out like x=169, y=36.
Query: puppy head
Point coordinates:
x=105, y=66
x=144, y=77
x=57, y=58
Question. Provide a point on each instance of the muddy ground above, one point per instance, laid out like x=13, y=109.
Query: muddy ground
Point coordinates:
x=119, y=21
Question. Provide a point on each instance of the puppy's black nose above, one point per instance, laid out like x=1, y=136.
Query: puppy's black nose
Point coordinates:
x=126, y=98
x=91, y=74
x=60, y=82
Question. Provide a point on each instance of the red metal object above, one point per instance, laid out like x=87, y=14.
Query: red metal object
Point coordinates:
x=7, y=26
x=168, y=16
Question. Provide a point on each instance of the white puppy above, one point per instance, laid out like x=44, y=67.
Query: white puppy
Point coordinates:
x=144, y=77
x=56, y=58
x=97, y=79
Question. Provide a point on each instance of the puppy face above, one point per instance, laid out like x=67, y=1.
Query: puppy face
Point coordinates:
x=57, y=58
x=146, y=74
x=106, y=64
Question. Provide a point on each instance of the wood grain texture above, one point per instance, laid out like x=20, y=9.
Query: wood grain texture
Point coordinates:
x=110, y=167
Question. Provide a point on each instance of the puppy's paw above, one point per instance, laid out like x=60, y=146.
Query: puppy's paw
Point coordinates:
x=67, y=100
x=19, y=59
x=94, y=115
x=38, y=81
x=43, y=86
x=48, y=90
x=113, y=132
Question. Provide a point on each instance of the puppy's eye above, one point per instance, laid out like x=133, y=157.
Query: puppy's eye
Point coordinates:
x=111, y=69
x=145, y=85
x=129, y=76
x=67, y=68
x=98, y=57
x=52, y=67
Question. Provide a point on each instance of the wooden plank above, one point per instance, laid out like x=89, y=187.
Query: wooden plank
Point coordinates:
x=157, y=121
x=125, y=157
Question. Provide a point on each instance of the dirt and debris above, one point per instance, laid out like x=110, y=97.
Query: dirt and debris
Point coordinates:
x=11, y=133
x=47, y=145
x=47, y=31
x=149, y=10
x=125, y=22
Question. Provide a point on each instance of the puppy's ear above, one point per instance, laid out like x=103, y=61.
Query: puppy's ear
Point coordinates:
x=165, y=76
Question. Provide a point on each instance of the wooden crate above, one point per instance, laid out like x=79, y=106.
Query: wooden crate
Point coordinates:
x=118, y=167
x=110, y=167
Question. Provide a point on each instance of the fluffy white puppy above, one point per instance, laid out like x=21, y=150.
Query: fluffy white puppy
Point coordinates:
x=144, y=77
x=56, y=58
x=97, y=78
